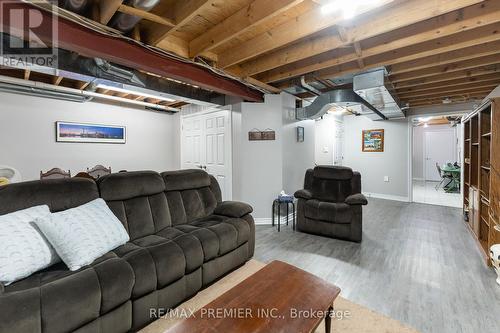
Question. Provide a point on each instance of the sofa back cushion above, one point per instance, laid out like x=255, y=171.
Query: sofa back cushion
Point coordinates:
x=58, y=194
x=138, y=200
x=191, y=194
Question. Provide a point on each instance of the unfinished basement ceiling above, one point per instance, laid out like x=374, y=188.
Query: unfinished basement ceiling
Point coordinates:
x=434, y=51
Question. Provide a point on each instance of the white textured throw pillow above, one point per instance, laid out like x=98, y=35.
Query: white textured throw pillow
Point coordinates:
x=23, y=248
x=82, y=234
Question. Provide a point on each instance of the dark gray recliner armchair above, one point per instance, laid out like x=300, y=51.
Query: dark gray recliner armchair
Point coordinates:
x=331, y=203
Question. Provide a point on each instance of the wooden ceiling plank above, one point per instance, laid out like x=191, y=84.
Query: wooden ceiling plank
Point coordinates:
x=183, y=12
x=488, y=34
x=448, y=20
x=243, y=20
x=108, y=8
x=282, y=35
x=448, y=83
x=27, y=74
x=449, y=76
x=476, y=51
x=330, y=67
x=452, y=100
x=450, y=94
x=450, y=89
x=57, y=80
x=262, y=85
x=447, y=68
x=146, y=15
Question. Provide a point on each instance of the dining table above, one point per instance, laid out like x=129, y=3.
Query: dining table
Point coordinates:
x=454, y=171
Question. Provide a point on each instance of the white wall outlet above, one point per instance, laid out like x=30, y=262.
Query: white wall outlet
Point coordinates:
x=386, y=179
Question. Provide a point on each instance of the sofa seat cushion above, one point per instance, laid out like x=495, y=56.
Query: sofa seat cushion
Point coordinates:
x=168, y=258
x=218, y=235
x=328, y=211
x=60, y=300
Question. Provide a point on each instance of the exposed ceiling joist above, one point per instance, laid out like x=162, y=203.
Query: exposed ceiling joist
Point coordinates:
x=458, y=88
x=108, y=8
x=183, y=12
x=303, y=26
x=393, y=18
x=450, y=83
x=146, y=15
x=447, y=68
x=240, y=22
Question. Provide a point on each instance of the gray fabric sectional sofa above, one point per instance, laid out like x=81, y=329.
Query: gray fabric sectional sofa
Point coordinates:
x=182, y=239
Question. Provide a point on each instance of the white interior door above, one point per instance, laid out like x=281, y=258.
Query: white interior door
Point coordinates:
x=440, y=147
x=207, y=145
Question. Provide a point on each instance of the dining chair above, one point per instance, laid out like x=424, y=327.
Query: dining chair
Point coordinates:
x=444, y=176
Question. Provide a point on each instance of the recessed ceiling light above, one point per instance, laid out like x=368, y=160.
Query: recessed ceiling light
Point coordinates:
x=348, y=8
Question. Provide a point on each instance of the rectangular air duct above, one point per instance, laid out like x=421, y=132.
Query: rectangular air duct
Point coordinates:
x=374, y=88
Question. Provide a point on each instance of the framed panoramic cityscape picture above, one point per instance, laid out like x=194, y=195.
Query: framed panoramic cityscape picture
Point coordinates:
x=373, y=140
x=89, y=133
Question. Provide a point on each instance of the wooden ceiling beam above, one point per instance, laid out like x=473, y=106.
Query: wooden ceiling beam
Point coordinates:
x=447, y=68
x=449, y=20
x=240, y=22
x=460, y=41
x=183, y=12
x=343, y=65
x=27, y=74
x=450, y=94
x=460, y=99
x=492, y=69
x=472, y=52
x=448, y=83
x=108, y=8
x=57, y=80
x=286, y=33
x=451, y=89
x=146, y=15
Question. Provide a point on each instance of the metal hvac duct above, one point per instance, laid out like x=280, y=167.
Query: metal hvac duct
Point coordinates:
x=125, y=22
x=378, y=91
x=344, y=98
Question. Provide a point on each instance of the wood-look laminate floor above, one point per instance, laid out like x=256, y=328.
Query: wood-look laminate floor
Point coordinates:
x=417, y=264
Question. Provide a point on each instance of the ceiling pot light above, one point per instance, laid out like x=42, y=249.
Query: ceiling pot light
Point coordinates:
x=348, y=8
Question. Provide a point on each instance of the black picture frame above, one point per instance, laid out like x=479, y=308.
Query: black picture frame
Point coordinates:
x=300, y=134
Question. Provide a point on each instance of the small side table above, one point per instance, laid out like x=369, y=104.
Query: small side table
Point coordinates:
x=277, y=204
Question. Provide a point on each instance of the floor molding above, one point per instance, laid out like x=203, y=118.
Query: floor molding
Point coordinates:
x=268, y=220
x=386, y=196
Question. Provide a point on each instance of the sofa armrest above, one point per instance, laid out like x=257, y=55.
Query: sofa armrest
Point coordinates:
x=233, y=209
x=356, y=199
x=303, y=194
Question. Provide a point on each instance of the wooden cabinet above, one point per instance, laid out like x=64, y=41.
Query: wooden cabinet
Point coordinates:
x=482, y=174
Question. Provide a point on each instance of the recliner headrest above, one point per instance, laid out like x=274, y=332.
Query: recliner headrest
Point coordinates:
x=332, y=172
x=128, y=185
x=185, y=179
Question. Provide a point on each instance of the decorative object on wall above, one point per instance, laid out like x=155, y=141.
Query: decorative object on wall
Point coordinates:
x=90, y=133
x=300, y=134
x=495, y=259
x=55, y=173
x=373, y=140
x=258, y=135
x=98, y=171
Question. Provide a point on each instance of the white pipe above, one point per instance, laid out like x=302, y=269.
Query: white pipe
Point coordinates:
x=45, y=86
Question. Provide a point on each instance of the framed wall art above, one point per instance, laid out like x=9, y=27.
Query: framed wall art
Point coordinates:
x=373, y=140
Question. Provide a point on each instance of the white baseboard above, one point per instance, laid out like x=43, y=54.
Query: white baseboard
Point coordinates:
x=269, y=221
x=386, y=196
x=418, y=179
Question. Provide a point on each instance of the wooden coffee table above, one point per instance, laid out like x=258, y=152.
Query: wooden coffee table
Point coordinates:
x=278, y=298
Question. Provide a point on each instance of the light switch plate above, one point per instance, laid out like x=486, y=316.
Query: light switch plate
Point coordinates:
x=325, y=149
x=386, y=179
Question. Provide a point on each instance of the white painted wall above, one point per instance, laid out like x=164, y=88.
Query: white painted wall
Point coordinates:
x=261, y=169
x=418, y=158
x=393, y=162
x=27, y=136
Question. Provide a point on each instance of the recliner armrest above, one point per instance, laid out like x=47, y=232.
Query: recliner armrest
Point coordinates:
x=233, y=209
x=356, y=199
x=303, y=194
